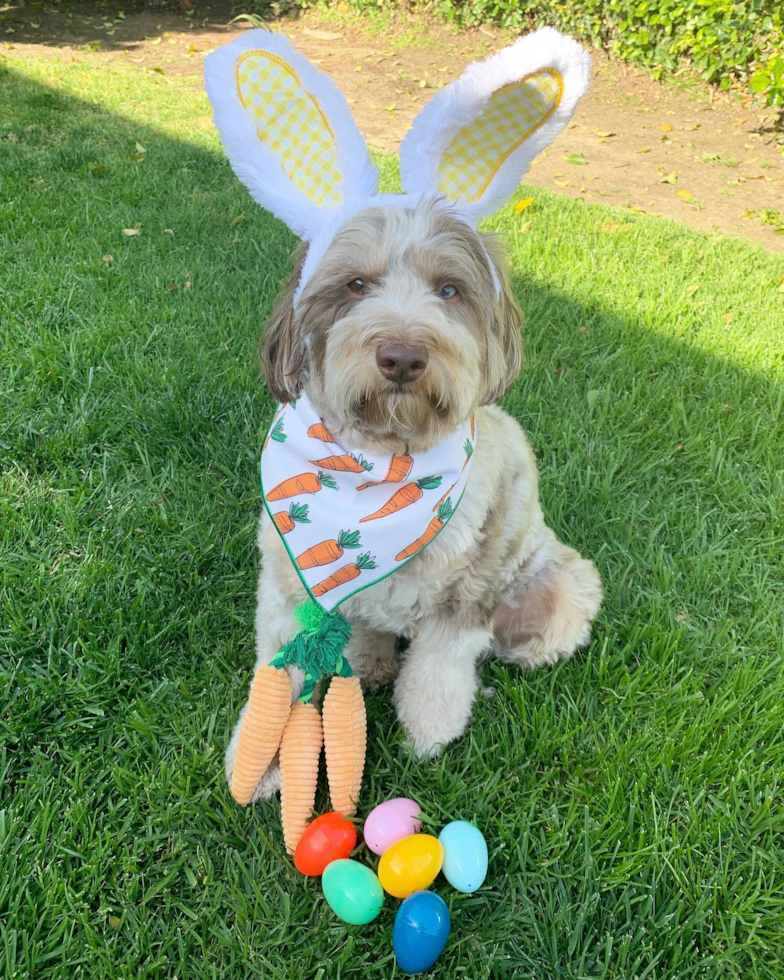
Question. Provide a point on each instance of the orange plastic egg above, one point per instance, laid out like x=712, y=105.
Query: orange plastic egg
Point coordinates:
x=329, y=838
x=410, y=865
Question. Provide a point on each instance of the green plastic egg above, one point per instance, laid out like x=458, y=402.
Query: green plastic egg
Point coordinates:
x=353, y=891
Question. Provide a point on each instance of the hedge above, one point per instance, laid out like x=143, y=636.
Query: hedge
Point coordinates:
x=726, y=41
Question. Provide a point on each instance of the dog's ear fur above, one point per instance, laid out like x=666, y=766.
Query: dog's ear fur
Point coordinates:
x=505, y=347
x=283, y=347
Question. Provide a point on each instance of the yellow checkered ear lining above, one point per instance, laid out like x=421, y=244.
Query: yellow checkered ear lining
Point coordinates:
x=290, y=121
x=479, y=148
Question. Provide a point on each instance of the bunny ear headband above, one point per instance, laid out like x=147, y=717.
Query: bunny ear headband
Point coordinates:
x=292, y=141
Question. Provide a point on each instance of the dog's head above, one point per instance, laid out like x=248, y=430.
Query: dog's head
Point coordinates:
x=402, y=330
x=398, y=317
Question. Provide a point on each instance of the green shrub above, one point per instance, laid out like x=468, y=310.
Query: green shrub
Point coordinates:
x=726, y=41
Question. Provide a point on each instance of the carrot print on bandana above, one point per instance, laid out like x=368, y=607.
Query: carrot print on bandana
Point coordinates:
x=350, y=537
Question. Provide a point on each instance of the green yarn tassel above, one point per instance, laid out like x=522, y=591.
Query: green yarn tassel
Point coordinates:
x=317, y=647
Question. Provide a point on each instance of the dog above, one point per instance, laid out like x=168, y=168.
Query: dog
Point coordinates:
x=399, y=324
x=400, y=336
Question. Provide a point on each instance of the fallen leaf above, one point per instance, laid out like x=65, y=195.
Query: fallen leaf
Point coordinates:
x=168, y=231
x=728, y=316
x=525, y=227
x=576, y=158
x=140, y=148
x=156, y=40
x=114, y=922
x=592, y=397
x=586, y=331
x=108, y=258
x=562, y=183
x=172, y=286
x=692, y=289
x=525, y=203
x=679, y=446
x=97, y=168
x=603, y=132
x=685, y=195
x=644, y=149
x=130, y=232
x=610, y=227
x=237, y=220
x=137, y=157
x=669, y=178
x=665, y=128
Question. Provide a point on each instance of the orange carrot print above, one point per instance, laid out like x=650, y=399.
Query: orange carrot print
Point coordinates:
x=345, y=574
x=298, y=514
x=344, y=464
x=319, y=431
x=473, y=427
x=468, y=449
x=399, y=468
x=276, y=433
x=444, y=513
x=304, y=483
x=326, y=552
x=404, y=497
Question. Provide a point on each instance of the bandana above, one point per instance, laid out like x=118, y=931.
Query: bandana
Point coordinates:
x=347, y=519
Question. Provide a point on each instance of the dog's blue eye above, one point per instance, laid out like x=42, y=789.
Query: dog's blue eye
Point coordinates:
x=448, y=292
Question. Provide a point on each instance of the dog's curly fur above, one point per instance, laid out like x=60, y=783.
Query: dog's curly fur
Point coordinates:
x=497, y=578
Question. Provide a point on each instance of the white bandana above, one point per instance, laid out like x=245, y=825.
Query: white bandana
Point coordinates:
x=349, y=520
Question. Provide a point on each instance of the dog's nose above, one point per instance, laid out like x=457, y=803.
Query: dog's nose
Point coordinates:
x=401, y=363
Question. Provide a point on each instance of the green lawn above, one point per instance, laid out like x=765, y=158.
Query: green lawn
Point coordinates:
x=631, y=799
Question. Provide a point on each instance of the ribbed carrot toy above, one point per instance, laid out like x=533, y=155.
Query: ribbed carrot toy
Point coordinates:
x=272, y=724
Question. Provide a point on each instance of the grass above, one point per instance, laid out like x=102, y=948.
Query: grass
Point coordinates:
x=631, y=798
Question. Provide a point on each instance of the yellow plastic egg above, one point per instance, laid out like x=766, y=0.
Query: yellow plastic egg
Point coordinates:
x=410, y=865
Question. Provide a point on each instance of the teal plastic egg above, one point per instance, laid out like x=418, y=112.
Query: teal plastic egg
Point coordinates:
x=353, y=891
x=465, y=855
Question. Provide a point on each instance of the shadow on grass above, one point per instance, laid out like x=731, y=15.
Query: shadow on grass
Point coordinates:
x=131, y=419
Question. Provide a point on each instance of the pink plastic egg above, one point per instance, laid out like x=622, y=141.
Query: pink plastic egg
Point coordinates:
x=390, y=822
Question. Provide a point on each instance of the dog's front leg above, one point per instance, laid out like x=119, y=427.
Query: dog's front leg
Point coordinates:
x=435, y=691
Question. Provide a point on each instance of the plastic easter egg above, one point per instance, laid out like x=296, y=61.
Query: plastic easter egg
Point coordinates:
x=352, y=891
x=390, y=822
x=329, y=838
x=421, y=930
x=465, y=855
x=410, y=865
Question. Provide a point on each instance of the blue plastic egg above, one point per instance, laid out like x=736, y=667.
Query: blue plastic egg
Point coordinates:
x=465, y=855
x=421, y=930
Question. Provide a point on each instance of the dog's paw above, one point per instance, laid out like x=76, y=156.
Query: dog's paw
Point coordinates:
x=428, y=737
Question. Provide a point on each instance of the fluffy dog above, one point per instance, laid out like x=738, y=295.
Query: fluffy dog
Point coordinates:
x=399, y=325
x=400, y=335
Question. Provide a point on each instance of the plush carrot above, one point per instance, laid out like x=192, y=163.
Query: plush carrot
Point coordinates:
x=468, y=449
x=300, y=749
x=404, y=497
x=320, y=431
x=303, y=483
x=326, y=552
x=344, y=574
x=298, y=514
x=345, y=742
x=277, y=433
x=347, y=463
x=444, y=513
x=269, y=705
x=399, y=468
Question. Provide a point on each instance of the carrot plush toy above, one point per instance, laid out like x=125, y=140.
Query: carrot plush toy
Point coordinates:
x=273, y=724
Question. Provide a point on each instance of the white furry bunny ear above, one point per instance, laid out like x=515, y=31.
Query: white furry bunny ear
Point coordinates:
x=476, y=138
x=287, y=131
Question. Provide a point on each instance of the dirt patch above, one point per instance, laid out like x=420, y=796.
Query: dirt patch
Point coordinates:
x=708, y=162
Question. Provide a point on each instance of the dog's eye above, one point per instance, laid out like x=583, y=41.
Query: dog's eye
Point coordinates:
x=357, y=286
x=447, y=292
